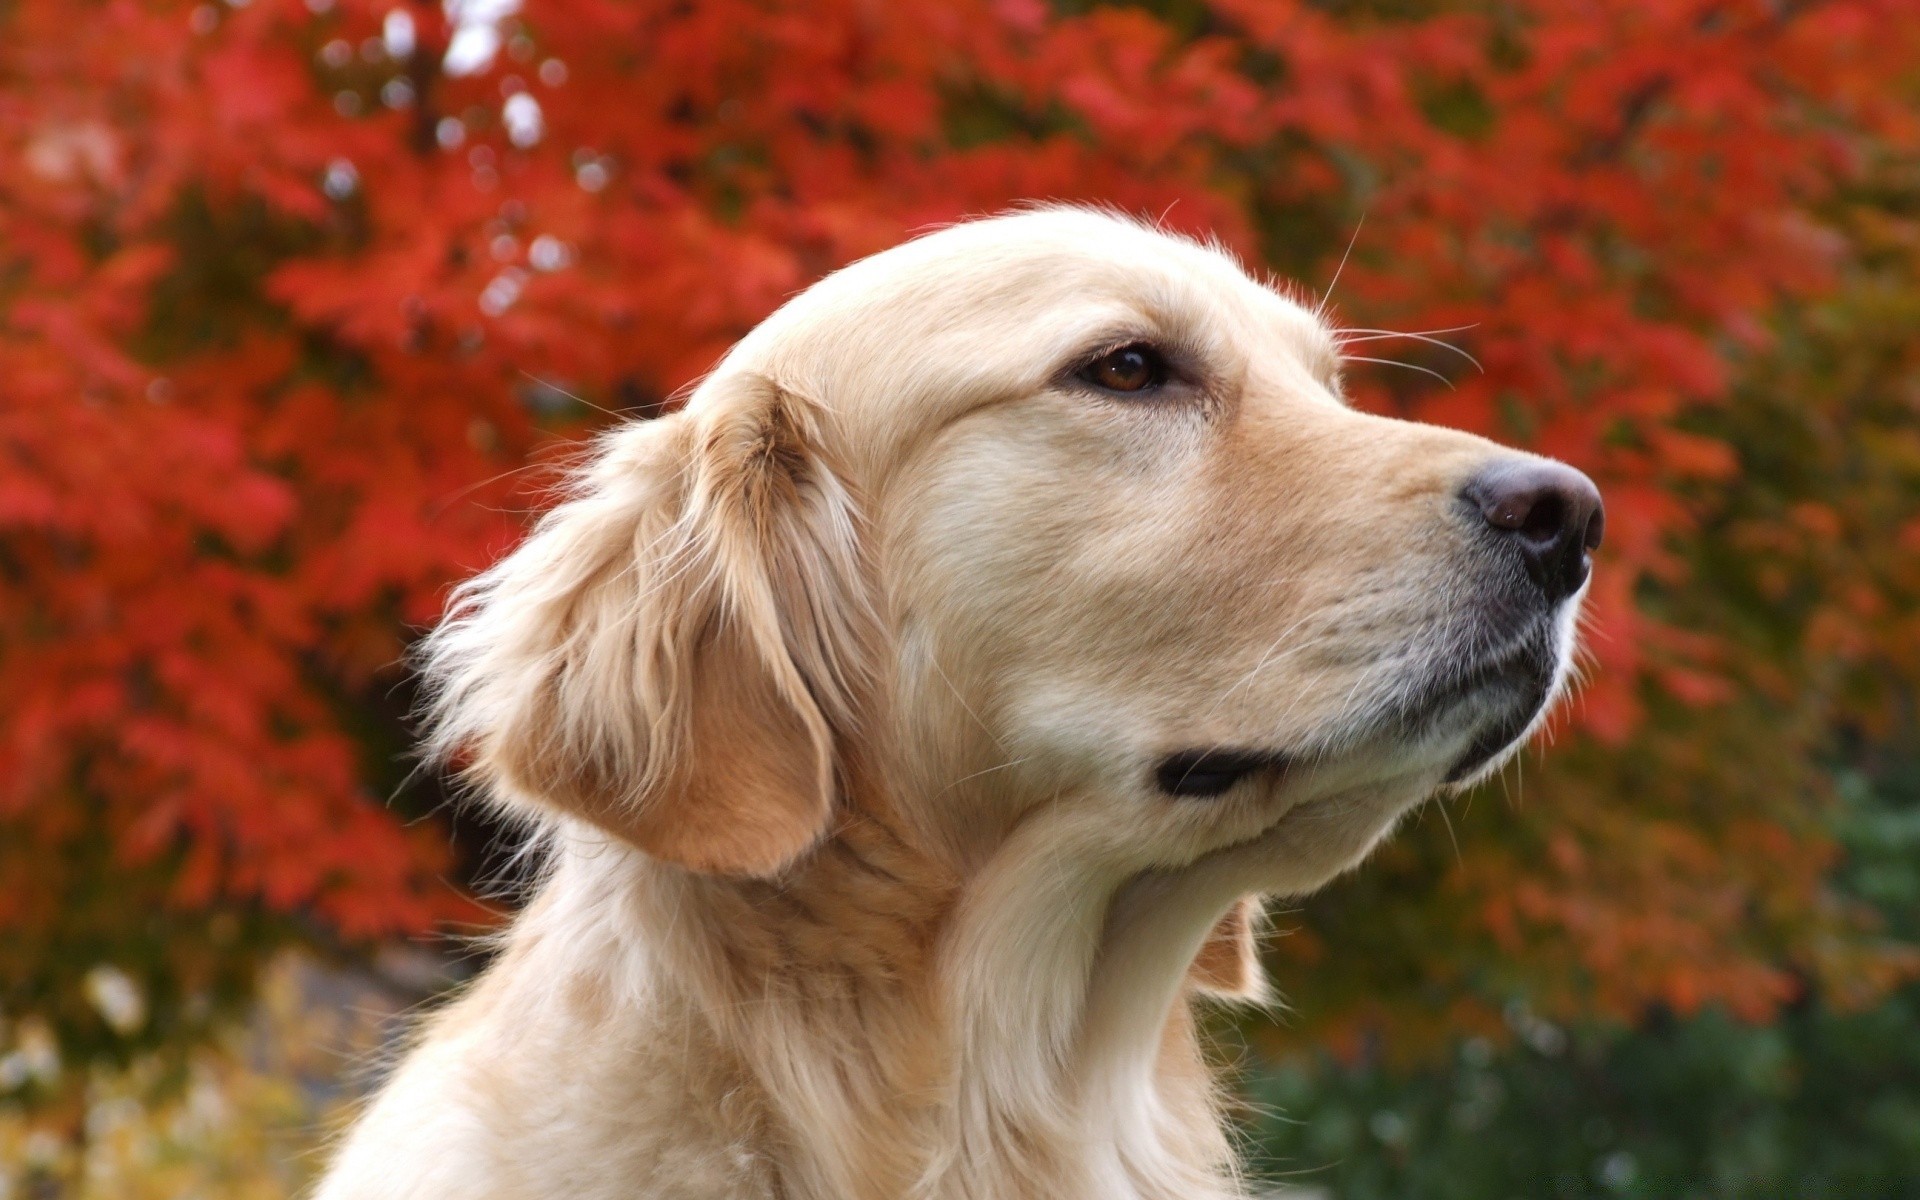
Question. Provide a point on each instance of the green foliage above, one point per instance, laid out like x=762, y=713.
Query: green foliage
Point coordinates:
x=1823, y=1103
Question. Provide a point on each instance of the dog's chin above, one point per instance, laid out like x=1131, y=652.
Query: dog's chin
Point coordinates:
x=1495, y=704
x=1468, y=713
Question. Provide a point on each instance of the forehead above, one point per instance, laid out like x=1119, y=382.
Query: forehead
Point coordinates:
x=1063, y=265
x=997, y=306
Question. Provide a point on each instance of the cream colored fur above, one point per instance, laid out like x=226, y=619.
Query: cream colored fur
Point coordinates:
x=836, y=698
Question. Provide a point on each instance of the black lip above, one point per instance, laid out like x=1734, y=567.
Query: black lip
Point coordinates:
x=1521, y=675
x=1493, y=741
x=1211, y=772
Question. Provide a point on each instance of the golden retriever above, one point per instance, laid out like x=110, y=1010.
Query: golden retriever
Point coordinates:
x=912, y=719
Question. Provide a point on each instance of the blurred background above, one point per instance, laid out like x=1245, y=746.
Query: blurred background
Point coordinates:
x=304, y=304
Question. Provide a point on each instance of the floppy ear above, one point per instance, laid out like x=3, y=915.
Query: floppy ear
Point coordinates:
x=674, y=651
x=1228, y=965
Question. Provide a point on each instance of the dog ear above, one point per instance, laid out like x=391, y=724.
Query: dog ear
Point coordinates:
x=675, y=650
x=1228, y=965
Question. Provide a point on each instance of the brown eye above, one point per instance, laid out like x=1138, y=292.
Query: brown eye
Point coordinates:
x=1134, y=368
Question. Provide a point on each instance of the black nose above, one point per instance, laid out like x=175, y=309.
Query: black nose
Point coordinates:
x=1549, y=511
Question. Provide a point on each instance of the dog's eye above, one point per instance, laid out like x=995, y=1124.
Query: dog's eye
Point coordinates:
x=1133, y=368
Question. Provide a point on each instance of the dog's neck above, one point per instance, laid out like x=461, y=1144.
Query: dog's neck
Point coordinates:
x=933, y=1036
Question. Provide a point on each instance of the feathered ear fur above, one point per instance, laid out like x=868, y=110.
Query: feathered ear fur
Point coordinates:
x=1228, y=965
x=675, y=650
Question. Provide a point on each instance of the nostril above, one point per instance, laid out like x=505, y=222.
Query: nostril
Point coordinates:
x=1545, y=518
x=1547, y=510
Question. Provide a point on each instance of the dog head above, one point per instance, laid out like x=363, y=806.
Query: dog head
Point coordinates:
x=1057, y=530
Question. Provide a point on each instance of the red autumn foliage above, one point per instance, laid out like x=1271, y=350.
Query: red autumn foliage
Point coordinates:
x=292, y=293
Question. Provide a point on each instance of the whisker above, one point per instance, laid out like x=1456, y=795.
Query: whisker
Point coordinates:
x=1459, y=859
x=1389, y=362
x=985, y=771
x=1411, y=332
x=1379, y=335
x=1265, y=658
x=1326, y=297
x=439, y=509
x=553, y=387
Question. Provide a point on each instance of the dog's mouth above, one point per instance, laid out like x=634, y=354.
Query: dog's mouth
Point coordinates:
x=1531, y=692
x=1495, y=697
x=1498, y=694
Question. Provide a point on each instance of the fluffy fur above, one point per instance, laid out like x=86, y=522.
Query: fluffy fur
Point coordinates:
x=837, y=696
